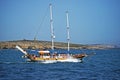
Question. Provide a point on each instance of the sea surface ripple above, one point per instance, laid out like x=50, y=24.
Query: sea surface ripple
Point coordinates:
x=104, y=65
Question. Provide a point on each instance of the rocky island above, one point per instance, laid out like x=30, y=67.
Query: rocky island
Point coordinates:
x=35, y=44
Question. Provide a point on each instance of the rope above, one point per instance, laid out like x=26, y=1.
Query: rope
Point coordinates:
x=41, y=24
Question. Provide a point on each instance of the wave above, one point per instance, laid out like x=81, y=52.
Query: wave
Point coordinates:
x=16, y=62
x=45, y=62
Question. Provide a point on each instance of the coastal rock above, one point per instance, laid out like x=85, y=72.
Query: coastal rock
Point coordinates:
x=35, y=44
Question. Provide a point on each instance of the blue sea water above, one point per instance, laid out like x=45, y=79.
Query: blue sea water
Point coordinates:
x=104, y=65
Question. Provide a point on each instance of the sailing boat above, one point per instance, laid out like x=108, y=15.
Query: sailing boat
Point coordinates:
x=46, y=56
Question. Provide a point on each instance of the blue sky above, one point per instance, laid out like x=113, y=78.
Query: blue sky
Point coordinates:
x=91, y=21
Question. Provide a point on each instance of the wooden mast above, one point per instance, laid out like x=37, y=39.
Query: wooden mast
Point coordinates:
x=68, y=32
x=52, y=29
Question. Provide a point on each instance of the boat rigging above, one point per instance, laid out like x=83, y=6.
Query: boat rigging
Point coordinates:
x=45, y=56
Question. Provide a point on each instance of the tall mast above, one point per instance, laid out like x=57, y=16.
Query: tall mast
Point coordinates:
x=51, y=27
x=68, y=30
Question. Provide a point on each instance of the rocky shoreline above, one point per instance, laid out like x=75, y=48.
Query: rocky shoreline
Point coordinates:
x=31, y=44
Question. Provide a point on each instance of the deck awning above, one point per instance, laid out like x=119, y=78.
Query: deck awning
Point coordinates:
x=43, y=52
